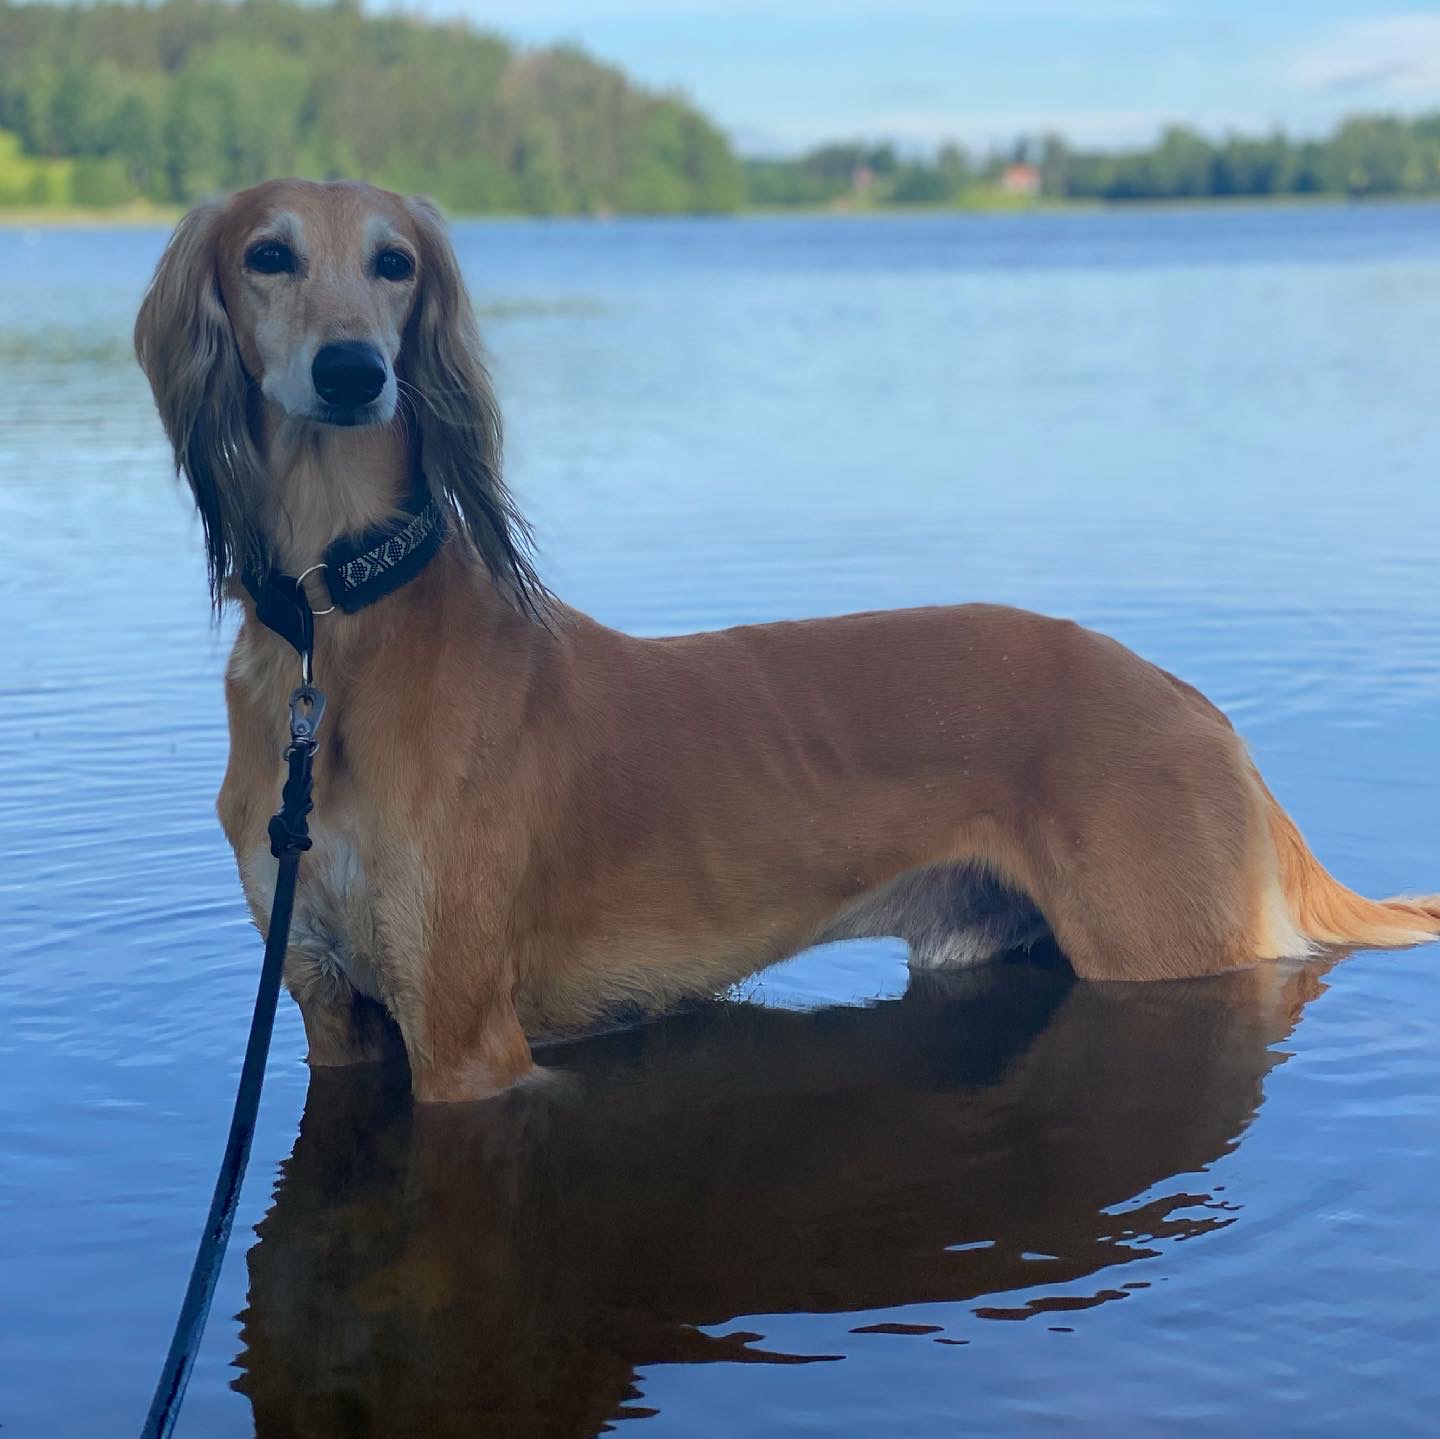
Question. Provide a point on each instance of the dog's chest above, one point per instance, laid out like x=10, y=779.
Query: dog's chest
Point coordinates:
x=333, y=936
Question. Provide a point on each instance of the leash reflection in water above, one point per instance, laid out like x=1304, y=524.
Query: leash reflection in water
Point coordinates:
x=505, y=1269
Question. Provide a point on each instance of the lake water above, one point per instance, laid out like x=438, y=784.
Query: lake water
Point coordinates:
x=994, y=1207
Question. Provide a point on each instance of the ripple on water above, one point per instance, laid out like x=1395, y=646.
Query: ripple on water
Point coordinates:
x=1004, y=1204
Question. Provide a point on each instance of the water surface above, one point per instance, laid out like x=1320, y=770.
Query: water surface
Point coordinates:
x=994, y=1205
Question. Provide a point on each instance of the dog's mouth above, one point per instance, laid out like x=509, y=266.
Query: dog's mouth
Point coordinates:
x=351, y=417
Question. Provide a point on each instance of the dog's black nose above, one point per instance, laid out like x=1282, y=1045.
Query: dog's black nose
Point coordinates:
x=350, y=373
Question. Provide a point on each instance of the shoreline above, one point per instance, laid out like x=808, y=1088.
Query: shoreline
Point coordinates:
x=159, y=216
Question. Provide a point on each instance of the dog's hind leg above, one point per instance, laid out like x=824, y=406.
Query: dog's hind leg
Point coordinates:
x=1158, y=877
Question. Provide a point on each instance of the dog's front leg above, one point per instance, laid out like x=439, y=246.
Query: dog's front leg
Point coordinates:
x=472, y=1047
x=456, y=1009
x=342, y=1026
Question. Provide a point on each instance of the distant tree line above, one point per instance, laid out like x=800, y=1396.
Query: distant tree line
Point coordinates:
x=1366, y=155
x=106, y=103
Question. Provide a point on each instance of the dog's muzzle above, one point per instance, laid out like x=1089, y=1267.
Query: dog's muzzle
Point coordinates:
x=349, y=375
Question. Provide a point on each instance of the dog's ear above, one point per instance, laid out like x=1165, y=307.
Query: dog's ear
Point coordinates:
x=185, y=345
x=457, y=419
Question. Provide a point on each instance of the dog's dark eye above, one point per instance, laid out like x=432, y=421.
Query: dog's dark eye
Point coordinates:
x=394, y=265
x=270, y=257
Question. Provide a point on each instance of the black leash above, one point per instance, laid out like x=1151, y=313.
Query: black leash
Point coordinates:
x=356, y=573
x=289, y=839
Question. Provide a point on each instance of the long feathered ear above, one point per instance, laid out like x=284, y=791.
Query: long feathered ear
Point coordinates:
x=187, y=349
x=458, y=420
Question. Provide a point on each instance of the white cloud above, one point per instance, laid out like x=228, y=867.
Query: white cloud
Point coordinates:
x=1391, y=57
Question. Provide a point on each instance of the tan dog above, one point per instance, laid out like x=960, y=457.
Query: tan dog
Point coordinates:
x=524, y=819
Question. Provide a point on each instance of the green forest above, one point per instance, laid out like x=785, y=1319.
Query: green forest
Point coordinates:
x=110, y=104
x=106, y=104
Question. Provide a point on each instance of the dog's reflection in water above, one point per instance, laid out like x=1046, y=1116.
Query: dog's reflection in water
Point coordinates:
x=505, y=1268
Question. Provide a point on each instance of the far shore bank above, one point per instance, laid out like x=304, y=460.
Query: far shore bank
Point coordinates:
x=158, y=216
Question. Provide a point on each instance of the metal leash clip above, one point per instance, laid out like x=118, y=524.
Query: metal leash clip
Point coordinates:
x=307, y=709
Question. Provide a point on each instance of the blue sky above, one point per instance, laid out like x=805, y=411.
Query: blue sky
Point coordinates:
x=781, y=74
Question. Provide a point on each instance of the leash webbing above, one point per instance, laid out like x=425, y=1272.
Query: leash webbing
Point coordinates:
x=289, y=838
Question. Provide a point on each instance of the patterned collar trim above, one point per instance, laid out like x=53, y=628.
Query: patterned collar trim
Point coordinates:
x=359, y=573
x=356, y=572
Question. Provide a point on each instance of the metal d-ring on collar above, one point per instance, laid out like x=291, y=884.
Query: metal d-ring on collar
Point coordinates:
x=300, y=580
x=357, y=572
x=307, y=655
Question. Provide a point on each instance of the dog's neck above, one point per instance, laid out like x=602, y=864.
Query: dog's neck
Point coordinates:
x=327, y=482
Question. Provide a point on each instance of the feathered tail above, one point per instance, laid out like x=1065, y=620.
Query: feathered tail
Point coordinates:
x=1326, y=912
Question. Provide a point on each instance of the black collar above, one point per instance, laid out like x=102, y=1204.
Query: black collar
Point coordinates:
x=357, y=572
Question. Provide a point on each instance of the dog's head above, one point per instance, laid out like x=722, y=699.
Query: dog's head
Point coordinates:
x=297, y=306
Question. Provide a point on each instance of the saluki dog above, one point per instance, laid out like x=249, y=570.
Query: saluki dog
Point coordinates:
x=525, y=820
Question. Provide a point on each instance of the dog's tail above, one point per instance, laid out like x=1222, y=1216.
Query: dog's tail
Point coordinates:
x=1326, y=912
